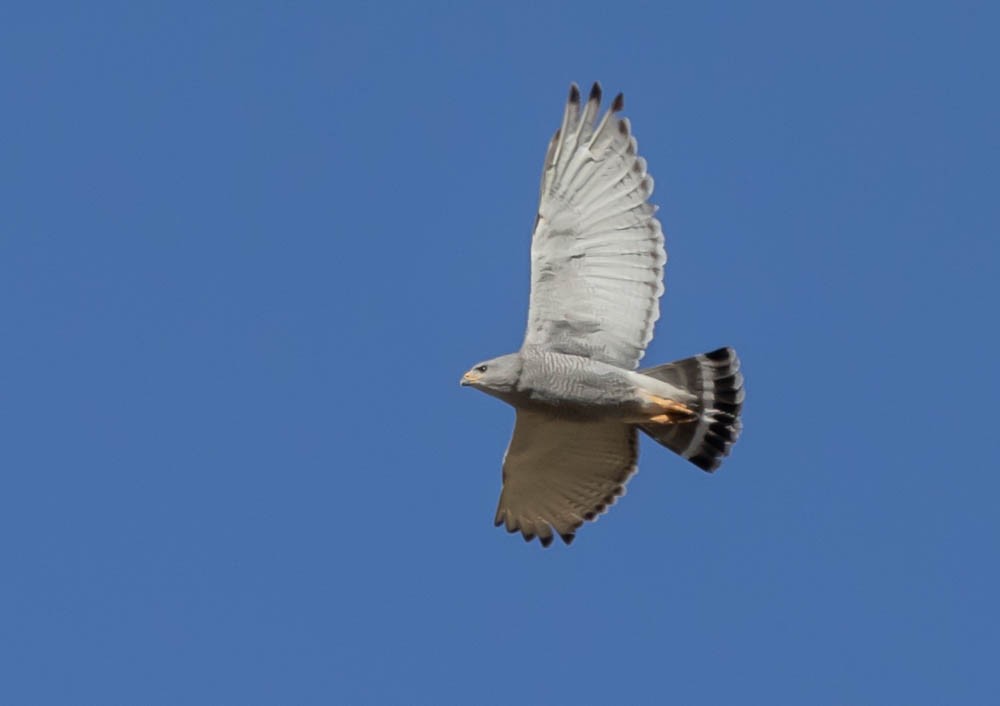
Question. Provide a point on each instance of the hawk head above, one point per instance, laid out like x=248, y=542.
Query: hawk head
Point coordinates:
x=496, y=376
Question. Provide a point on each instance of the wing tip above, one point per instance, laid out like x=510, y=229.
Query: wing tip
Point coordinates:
x=595, y=93
x=574, y=93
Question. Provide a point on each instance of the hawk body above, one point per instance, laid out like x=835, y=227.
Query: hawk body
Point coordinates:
x=574, y=387
x=597, y=258
x=582, y=389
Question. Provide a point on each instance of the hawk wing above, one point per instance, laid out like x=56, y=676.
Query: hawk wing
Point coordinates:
x=597, y=251
x=558, y=474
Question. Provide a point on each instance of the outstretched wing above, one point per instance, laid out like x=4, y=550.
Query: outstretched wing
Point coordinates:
x=597, y=251
x=558, y=474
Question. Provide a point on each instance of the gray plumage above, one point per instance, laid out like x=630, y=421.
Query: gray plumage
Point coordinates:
x=597, y=259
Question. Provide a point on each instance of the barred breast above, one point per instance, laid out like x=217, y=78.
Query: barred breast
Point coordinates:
x=575, y=387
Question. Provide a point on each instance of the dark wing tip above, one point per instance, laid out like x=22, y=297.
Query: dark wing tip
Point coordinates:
x=546, y=541
x=595, y=92
x=619, y=103
x=574, y=94
x=567, y=538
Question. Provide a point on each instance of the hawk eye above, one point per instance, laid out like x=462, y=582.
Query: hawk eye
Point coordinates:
x=481, y=369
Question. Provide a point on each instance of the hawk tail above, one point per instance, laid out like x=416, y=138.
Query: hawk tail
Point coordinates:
x=715, y=379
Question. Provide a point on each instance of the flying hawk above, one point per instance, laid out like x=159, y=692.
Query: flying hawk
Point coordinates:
x=597, y=261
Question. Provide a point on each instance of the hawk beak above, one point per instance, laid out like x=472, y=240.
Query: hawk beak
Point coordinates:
x=468, y=379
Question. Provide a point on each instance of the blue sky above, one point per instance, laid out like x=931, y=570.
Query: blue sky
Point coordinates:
x=247, y=250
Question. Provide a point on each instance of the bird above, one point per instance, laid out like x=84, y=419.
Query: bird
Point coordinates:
x=597, y=265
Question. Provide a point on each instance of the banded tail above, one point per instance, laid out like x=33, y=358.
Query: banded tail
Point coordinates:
x=716, y=380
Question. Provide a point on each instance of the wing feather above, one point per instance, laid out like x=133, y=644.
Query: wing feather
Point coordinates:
x=558, y=474
x=597, y=248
